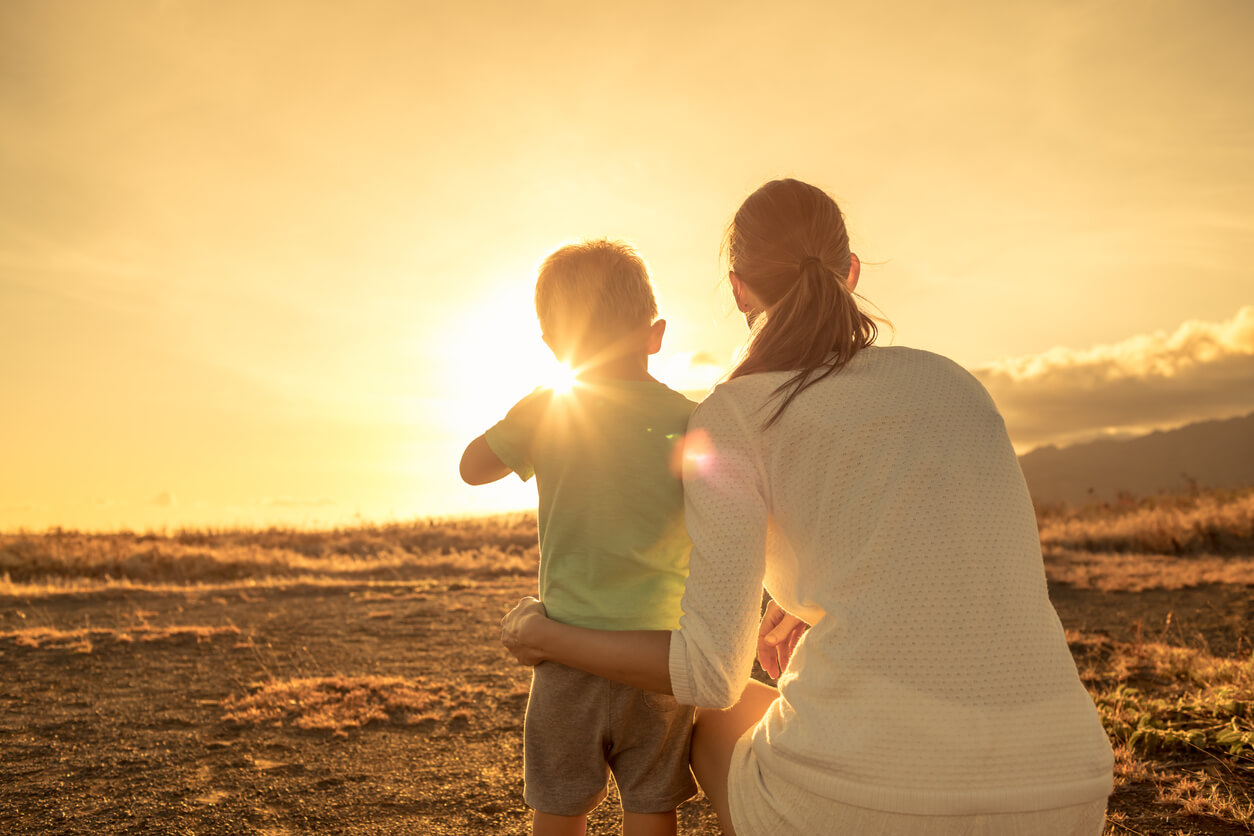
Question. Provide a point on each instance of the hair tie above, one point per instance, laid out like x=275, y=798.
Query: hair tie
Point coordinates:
x=805, y=262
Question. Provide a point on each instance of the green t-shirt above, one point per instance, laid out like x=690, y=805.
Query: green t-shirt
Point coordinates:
x=613, y=547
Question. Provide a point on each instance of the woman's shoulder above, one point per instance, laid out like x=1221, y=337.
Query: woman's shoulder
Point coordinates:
x=730, y=405
x=725, y=395
x=901, y=355
x=889, y=369
x=744, y=393
x=902, y=361
x=872, y=360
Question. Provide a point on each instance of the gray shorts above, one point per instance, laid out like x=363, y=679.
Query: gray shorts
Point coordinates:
x=580, y=728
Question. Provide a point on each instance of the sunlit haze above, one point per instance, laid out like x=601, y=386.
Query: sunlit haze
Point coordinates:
x=274, y=262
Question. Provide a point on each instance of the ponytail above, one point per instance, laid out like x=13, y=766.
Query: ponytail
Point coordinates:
x=812, y=324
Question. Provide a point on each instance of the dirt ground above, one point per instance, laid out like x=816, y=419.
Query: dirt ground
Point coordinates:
x=99, y=734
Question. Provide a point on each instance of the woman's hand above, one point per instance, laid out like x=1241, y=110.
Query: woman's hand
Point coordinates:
x=777, y=638
x=519, y=630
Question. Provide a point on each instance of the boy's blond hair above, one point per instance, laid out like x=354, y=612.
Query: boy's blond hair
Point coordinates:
x=589, y=296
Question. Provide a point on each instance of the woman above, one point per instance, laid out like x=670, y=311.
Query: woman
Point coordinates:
x=875, y=494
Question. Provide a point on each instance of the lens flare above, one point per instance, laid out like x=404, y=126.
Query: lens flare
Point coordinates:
x=693, y=454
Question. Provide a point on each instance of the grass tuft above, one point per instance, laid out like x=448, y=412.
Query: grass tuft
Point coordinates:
x=337, y=704
x=81, y=640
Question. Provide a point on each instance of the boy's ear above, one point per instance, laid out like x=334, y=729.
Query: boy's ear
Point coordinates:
x=656, y=331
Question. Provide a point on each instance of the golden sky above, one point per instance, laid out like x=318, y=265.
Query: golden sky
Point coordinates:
x=273, y=261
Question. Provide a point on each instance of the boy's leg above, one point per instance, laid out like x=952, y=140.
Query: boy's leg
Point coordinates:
x=547, y=824
x=649, y=758
x=650, y=824
x=564, y=769
x=714, y=736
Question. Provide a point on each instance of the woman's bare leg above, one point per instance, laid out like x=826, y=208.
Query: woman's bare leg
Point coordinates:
x=714, y=736
x=547, y=824
x=650, y=824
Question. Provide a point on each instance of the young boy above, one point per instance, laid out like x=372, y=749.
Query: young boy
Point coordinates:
x=613, y=548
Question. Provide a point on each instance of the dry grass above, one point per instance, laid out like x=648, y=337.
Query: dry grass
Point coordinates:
x=1209, y=522
x=1117, y=571
x=337, y=704
x=1161, y=542
x=482, y=547
x=1181, y=720
x=83, y=640
x=1130, y=545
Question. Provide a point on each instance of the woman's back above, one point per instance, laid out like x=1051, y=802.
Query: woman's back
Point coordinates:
x=936, y=678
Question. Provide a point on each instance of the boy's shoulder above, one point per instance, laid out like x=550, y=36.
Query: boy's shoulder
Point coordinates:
x=616, y=401
x=532, y=407
x=676, y=398
x=649, y=396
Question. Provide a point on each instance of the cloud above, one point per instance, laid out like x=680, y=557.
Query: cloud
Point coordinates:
x=1201, y=370
x=165, y=499
x=703, y=358
x=296, y=502
x=691, y=372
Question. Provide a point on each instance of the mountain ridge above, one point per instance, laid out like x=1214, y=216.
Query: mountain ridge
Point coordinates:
x=1216, y=453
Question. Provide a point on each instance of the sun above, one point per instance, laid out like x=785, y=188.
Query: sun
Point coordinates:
x=561, y=379
x=491, y=355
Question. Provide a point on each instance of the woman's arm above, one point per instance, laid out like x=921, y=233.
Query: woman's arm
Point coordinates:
x=639, y=658
x=725, y=509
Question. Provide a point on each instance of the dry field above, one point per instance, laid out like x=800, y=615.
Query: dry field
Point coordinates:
x=349, y=681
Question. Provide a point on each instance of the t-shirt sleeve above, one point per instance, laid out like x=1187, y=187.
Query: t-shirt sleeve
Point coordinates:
x=725, y=507
x=511, y=437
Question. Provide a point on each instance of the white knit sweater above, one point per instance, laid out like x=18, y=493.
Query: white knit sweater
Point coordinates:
x=886, y=508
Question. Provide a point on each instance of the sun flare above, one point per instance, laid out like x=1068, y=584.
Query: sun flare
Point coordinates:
x=561, y=379
x=493, y=356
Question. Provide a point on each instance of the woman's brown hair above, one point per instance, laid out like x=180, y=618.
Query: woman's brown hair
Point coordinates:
x=789, y=245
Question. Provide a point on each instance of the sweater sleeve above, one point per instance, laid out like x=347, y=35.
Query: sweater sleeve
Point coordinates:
x=725, y=508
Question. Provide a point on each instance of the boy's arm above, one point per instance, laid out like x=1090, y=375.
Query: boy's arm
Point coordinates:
x=510, y=447
x=480, y=465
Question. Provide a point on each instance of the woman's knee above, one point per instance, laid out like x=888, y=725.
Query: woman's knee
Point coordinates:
x=754, y=701
x=715, y=733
